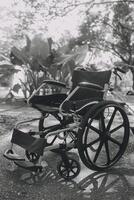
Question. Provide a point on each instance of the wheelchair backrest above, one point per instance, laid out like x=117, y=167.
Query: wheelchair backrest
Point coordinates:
x=80, y=96
x=98, y=77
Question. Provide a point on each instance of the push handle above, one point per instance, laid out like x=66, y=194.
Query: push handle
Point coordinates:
x=116, y=70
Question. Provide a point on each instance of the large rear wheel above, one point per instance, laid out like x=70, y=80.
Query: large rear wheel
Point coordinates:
x=103, y=135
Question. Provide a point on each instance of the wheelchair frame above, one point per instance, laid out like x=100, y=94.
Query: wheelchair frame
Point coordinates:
x=75, y=128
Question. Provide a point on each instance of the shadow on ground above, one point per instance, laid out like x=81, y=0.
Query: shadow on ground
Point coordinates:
x=20, y=184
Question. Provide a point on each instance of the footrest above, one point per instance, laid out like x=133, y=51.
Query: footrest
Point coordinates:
x=28, y=142
x=29, y=166
x=10, y=155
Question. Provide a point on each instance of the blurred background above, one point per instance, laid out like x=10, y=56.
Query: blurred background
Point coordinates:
x=49, y=39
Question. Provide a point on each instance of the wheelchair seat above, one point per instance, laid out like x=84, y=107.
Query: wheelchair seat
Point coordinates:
x=87, y=86
x=48, y=103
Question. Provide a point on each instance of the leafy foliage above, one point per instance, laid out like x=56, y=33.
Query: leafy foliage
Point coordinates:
x=6, y=72
x=99, y=32
x=40, y=61
x=123, y=34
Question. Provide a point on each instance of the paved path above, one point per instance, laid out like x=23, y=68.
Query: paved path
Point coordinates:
x=18, y=184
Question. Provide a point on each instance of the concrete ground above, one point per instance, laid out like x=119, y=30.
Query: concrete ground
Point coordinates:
x=18, y=184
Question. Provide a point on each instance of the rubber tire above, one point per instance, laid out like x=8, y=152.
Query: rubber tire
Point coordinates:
x=94, y=111
x=68, y=178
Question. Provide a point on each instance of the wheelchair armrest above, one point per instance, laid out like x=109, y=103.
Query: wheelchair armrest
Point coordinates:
x=90, y=85
x=55, y=83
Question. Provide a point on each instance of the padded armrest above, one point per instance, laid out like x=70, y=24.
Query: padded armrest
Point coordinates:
x=55, y=83
x=90, y=85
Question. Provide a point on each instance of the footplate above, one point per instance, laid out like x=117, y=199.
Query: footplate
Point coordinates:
x=28, y=142
x=11, y=155
x=29, y=166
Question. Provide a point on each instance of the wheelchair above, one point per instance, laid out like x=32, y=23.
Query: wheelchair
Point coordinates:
x=85, y=120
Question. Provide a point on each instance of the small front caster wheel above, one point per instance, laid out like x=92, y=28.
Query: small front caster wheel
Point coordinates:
x=32, y=157
x=68, y=170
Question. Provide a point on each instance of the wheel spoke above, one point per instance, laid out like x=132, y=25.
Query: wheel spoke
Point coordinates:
x=97, y=152
x=116, y=128
x=107, y=152
x=95, y=129
x=74, y=167
x=64, y=171
x=92, y=143
x=111, y=120
x=114, y=141
x=102, y=122
x=71, y=170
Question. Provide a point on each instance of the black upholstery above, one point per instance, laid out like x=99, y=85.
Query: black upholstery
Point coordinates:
x=48, y=103
x=94, y=88
x=28, y=142
x=100, y=78
x=90, y=86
